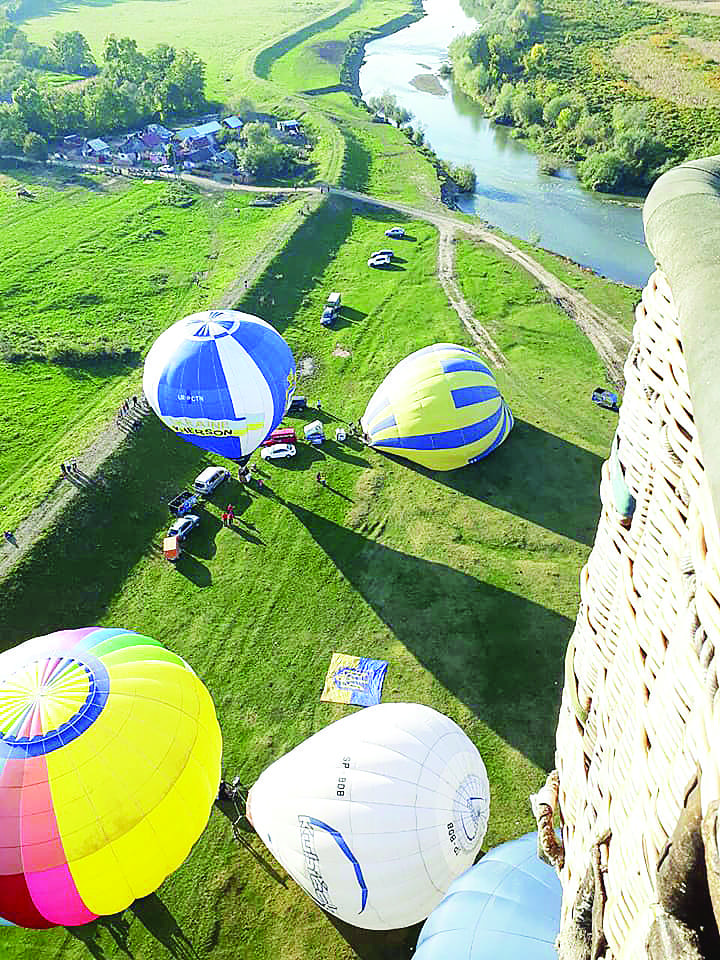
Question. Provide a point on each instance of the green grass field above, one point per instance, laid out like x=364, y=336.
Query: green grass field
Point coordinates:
x=100, y=265
x=465, y=582
x=222, y=33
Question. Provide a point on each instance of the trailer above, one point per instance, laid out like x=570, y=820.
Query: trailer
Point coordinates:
x=182, y=503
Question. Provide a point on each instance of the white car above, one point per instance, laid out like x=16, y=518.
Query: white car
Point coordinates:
x=397, y=233
x=379, y=261
x=383, y=253
x=183, y=525
x=209, y=479
x=278, y=451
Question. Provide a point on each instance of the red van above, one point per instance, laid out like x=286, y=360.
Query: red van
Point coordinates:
x=283, y=435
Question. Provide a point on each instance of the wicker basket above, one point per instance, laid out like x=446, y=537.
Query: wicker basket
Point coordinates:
x=640, y=714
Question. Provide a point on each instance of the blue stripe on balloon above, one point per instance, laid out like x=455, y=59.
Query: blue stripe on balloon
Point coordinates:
x=466, y=396
x=461, y=364
x=389, y=421
x=340, y=841
x=448, y=439
x=502, y=433
x=376, y=407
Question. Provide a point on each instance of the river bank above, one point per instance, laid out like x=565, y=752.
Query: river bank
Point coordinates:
x=554, y=212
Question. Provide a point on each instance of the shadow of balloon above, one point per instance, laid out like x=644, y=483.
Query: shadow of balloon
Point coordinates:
x=378, y=944
x=498, y=652
x=158, y=921
x=535, y=475
x=193, y=570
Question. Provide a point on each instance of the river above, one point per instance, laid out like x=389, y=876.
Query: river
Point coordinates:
x=554, y=212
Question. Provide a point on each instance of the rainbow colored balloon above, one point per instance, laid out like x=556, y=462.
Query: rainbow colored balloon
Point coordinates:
x=109, y=765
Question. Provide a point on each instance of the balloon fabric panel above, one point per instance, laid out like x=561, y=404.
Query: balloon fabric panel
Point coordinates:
x=440, y=407
x=221, y=380
x=392, y=805
x=98, y=810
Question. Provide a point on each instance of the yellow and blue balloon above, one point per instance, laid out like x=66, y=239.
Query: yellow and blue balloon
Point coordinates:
x=440, y=407
x=109, y=765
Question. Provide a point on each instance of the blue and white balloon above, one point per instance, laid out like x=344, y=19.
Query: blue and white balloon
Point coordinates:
x=220, y=379
x=506, y=906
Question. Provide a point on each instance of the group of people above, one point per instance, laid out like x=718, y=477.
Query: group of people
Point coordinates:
x=128, y=407
x=69, y=468
x=228, y=515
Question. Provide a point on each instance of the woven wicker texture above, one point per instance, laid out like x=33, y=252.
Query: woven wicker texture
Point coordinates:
x=640, y=708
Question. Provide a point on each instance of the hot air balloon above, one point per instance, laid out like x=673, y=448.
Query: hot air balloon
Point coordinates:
x=376, y=814
x=221, y=379
x=507, y=905
x=109, y=766
x=439, y=407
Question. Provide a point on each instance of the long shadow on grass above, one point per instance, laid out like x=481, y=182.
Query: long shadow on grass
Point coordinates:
x=313, y=245
x=68, y=579
x=536, y=475
x=497, y=651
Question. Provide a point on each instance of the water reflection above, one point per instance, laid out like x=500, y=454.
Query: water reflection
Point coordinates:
x=511, y=193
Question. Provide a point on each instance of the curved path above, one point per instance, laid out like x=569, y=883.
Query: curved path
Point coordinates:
x=610, y=340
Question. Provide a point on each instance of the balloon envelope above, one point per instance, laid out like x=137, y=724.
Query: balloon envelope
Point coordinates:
x=439, y=407
x=376, y=814
x=109, y=766
x=223, y=380
x=506, y=906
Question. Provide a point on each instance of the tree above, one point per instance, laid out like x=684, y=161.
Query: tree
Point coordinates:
x=33, y=108
x=187, y=74
x=123, y=60
x=35, y=146
x=12, y=127
x=503, y=111
x=603, y=170
x=73, y=53
x=525, y=108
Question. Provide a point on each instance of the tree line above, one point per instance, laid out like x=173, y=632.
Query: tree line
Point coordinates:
x=507, y=66
x=129, y=89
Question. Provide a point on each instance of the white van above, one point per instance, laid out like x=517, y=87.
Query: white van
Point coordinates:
x=209, y=479
x=334, y=302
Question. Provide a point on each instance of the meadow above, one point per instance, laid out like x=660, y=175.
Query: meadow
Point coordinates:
x=464, y=582
x=93, y=270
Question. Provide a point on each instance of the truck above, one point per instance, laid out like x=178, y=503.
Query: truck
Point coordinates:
x=331, y=309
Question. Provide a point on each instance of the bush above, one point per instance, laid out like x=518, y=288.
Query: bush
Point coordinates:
x=603, y=170
x=98, y=356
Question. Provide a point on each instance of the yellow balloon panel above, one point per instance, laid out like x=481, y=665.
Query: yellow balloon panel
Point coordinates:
x=440, y=407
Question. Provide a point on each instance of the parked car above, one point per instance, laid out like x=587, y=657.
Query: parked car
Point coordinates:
x=297, y=404
x=209, y=479
x=183, y=525
x=279, y=451
x=379, y=261
x=397, y=233
x=384, y=253
x=331, y=310
x=282, y=435
x=606, y=399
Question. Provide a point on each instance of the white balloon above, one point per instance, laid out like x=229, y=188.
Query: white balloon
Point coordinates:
x=377, y=814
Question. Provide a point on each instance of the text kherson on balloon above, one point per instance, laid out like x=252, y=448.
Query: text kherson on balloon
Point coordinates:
x=221, y=379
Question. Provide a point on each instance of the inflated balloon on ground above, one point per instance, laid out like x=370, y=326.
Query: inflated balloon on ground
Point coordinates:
x=439, y=407
x=375, y=815
x=506, y=906
x=109, y=766
x=222, y=380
